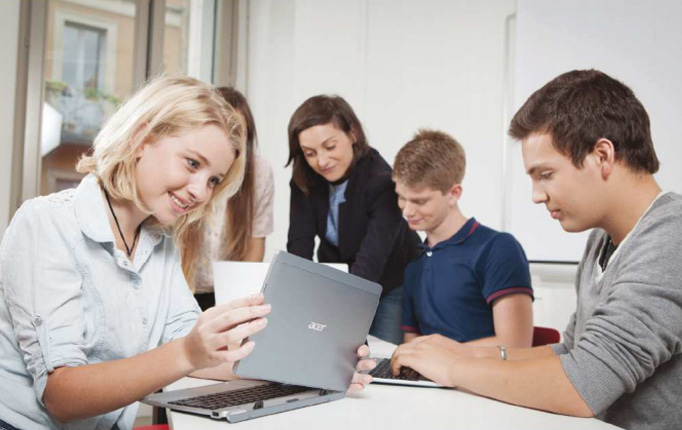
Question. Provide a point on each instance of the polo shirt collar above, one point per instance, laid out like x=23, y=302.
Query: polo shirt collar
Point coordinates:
x=458, y=238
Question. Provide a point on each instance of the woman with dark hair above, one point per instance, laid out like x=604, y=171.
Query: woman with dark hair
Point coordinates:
x=342, y=193
x=239, y=225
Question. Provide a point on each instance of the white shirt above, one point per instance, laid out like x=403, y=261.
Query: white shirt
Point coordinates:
x=68, y=297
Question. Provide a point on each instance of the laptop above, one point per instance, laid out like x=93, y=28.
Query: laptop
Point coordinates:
x=381, y=374
x=305, y=356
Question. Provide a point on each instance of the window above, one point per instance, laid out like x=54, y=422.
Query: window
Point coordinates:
x=89, y=56
x=82, y=64
x=88, y=70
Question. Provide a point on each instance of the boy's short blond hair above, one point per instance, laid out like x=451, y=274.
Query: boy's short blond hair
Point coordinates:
x=431, y=159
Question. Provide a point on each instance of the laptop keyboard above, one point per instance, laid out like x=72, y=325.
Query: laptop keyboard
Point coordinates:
x=383, y=371
x=240, y=397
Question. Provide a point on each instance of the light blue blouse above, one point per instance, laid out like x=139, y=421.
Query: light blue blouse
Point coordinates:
x=337, y=196
x=68, y=297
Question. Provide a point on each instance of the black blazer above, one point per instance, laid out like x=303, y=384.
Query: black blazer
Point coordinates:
x=374, y=239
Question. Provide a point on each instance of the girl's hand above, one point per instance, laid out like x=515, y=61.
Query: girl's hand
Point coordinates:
x=206, y=345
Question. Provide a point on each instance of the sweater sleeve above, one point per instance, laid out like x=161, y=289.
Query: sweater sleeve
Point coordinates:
x=639, y=326
x=568, y=337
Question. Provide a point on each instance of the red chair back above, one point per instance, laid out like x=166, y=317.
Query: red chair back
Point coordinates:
x=545, y=336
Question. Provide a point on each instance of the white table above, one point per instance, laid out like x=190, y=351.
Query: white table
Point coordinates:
x=395, y=407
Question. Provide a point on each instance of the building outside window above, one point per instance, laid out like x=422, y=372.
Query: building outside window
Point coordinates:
x=88, y=70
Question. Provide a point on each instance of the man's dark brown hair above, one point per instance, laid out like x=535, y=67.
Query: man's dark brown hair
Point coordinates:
x=582, y=106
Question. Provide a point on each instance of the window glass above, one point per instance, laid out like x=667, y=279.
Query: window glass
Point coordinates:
x=82, y=66
x=189, y=38
x=88, y=71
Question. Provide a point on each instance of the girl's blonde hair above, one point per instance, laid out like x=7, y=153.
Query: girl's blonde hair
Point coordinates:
x=165, y=106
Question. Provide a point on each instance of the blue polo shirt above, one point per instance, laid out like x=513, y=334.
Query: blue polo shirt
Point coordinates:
x=450, y=288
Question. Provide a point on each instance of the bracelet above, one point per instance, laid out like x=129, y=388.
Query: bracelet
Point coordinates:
x=503, y=352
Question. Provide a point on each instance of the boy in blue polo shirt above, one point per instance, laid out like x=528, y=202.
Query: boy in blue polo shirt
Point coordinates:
x=470, y=282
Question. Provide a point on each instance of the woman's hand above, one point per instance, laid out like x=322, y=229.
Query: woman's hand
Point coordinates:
x=206, y=345
x=361, y=380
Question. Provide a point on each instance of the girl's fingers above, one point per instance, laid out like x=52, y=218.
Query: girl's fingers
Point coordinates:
x=242, y=302
x=237, y=334
x=230, y=318
x=235, y=354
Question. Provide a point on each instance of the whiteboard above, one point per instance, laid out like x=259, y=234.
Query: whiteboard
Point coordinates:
x=636, y=42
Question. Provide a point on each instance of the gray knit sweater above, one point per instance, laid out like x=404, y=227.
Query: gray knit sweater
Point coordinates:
x=622, y=346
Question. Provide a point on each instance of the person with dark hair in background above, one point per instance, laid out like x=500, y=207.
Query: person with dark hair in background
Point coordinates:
x=587, y=147
x=342, y=193
x=238, y=225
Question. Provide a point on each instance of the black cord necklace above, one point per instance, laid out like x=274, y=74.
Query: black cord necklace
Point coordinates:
x=129, y=250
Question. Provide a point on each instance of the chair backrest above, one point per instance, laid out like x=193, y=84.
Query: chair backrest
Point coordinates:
x=545, y=336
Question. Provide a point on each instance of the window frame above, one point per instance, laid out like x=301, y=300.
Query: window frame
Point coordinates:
x=34, y=24
x=148, y=55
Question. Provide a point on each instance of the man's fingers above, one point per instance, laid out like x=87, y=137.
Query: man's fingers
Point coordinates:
x=419, y=339
x=404, y=356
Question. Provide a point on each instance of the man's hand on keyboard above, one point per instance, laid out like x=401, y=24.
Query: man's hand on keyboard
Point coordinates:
x=433, y=361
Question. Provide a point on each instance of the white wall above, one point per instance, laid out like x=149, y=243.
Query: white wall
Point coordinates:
x=401, y=64
x=634, y=41
x=9, y=35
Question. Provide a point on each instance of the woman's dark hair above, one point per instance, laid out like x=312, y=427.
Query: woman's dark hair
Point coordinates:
x=321, y=110
x=582, y=106
x=241, y=207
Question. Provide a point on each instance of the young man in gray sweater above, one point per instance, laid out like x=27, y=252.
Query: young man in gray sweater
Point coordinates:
x=587, y=147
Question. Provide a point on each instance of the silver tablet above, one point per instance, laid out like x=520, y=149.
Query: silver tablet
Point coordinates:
x=320, y=317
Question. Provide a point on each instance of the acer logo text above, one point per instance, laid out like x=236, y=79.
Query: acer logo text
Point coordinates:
x=316, y=326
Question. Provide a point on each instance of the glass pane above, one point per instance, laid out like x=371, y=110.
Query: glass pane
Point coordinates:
x=88, y=71
x=188, y=38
